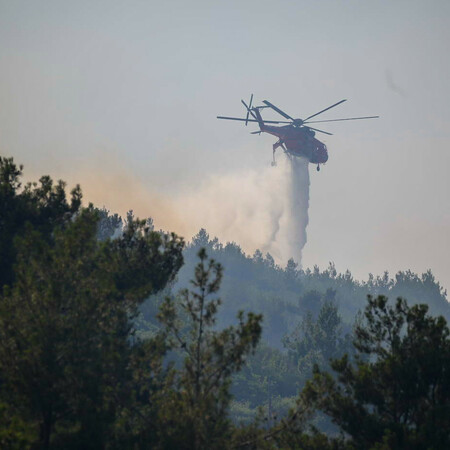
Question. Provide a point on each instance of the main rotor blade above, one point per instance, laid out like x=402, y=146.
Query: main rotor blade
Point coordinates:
x=326, y=109
x=251, y=120
x=339, y=120
x=278, y=110
x=320, y=131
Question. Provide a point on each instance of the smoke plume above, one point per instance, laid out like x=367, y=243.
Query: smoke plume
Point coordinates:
x=264, y=209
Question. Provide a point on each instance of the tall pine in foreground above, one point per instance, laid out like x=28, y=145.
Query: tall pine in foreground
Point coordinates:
x=196, y=415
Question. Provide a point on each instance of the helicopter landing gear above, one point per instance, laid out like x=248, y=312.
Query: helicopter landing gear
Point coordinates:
x=318, y=168
x=279, y=143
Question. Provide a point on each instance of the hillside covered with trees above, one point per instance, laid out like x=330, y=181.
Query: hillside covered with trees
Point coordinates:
x=115, y=335
x=309, y=316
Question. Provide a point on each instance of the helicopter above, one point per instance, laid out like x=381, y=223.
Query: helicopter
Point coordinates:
x=297, y=137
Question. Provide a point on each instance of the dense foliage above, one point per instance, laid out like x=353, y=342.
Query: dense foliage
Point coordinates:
x=66, y=310
x=309, y=316
x=397, y=395
x=107, y=342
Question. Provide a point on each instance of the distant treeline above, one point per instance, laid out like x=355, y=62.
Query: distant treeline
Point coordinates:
x=285, y=294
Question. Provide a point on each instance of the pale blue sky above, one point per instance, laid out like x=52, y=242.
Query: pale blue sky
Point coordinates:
x=134, y=87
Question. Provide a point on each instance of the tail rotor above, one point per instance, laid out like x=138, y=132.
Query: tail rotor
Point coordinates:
x=249, y=109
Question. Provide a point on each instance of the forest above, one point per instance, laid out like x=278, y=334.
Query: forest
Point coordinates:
x=116, y=335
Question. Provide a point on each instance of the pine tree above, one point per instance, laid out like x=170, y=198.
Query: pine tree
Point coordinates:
x=196, y=415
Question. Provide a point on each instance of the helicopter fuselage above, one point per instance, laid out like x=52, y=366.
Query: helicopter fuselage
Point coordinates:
x=297, y=140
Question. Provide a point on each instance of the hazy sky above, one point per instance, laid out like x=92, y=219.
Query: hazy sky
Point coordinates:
x=122, y=97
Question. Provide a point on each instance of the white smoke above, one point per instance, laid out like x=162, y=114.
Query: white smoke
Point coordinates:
x=259, y=209
x=265, y=209
x=248, y=207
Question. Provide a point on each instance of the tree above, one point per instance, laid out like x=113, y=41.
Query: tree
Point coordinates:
x=196, y=415
x=398, y=393
x=109, y=225
x=66, y=330
x=291, y=270
x=43, y=205
x=201, y=239
x=311, y=302
x=316, y=341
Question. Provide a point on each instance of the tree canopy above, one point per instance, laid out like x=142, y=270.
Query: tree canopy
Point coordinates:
x=397, y=395
x=67, y=307
x=100, y=348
